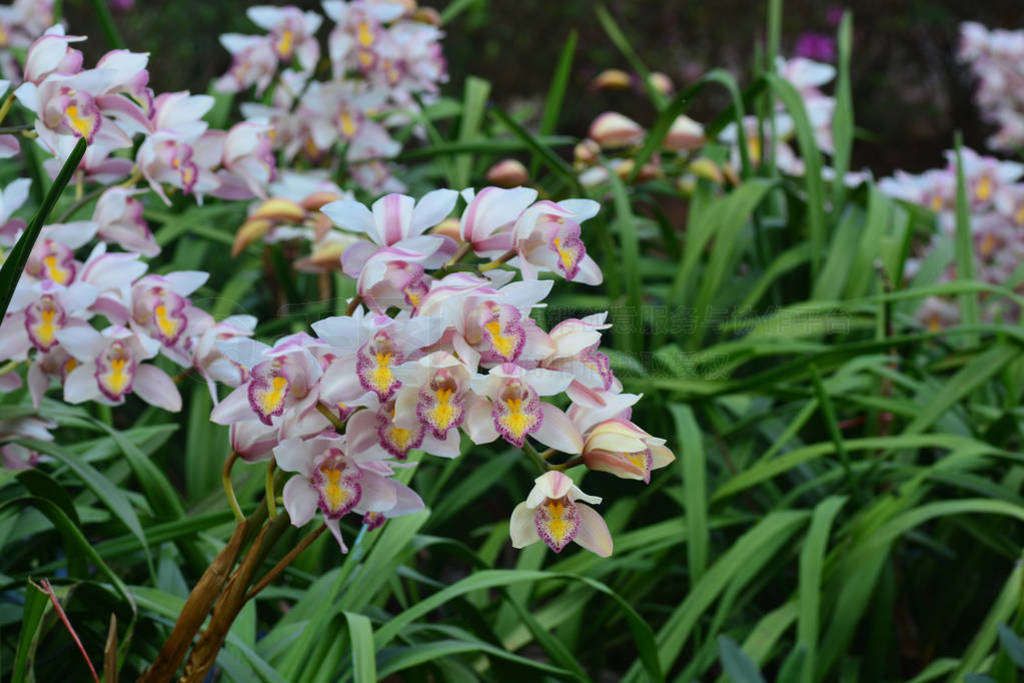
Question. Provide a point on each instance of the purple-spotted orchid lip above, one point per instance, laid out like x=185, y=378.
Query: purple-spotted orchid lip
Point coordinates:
x=440, y=403
x=502, y=335
x=396, y=440
x=115, y=370
x=516, y=411
x=269, y=387
x=336, y=480
x=42, y=320
x=375, y=363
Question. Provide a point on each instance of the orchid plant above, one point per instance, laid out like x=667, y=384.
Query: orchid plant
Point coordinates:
x=438, y=347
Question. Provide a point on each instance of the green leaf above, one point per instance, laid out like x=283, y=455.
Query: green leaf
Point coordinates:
x=474, y=103
x=812, y=558
x=1012, y=644
x=36, y=602
x=964, y=239
x=621, y=42
x=814, y=184
x=556, y=92
x=364, y=662
x=555, y=163
x=15, y=262
x=842, y=118
x=736, y=664
x=111, y=496
x=74, y=541
x=642, y=635
x=695, y=496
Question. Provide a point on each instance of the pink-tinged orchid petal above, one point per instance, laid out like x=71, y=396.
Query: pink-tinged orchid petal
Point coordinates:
x=252, y=439
x=155, y=387
x=335, y=529
x=10, y=381
x=521, y=528
x=478, y=423
x=353, y=216
x=9, y=146
x=38, y=383
x=234, y=408
x=378, y=493
x=593, y=534
x=557, y=431
x=300, y=500
x=80, y=385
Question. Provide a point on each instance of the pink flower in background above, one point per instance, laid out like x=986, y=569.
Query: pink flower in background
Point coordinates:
x=817, y=46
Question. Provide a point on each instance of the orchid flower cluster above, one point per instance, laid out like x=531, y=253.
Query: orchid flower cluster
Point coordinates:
x=433, y=348
x=383, y=58
x=996, y=201
x=21, y=22
x=614, y=133
x=996, y=59
x=113, y=109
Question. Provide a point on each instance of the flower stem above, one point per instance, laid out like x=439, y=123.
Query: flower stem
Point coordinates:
x=283, y=563
x=353, y=305
x=507, y=256
x=532, y=452
x=325, y=410
x=229, y=490
x=6, y=106
x=271, y=497
x=459, y=255
x=571, y=462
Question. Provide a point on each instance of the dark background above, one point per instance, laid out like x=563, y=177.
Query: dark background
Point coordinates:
x=909, y=92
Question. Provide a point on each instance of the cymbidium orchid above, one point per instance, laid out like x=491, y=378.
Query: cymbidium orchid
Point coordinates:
x=547, y=238
x=336, y=479
x=109, y=366
x=118, y=216
x=38, y=311
x=552, y=513
x=282, y=380
x=510, y=396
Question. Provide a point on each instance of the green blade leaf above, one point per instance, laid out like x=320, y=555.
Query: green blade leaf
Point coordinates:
x=13, y=266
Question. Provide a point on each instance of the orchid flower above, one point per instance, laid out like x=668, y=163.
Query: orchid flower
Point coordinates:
x=506, y=402
x=551, y=513
x=338, y=480
x=109, y=366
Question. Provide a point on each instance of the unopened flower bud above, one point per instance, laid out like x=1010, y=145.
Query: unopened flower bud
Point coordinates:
x=685, y=135
x=508, y=173
x=449, y=227
x=621, y=448
x=314, y=201
x=586, y=152
x=707, y=169
x=251, y=231
x=278, y=210
x=611, y=79
x=611, y=130
x=427, y=15
x=661, y=83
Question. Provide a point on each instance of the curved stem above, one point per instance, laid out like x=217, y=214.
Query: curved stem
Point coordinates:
x=283, y=563
x=532, y=452
x=5, y=108
x=507, y=256
x=271, y=496
x=571, y=462
x=326, y=411
x=459, y=255
x=353, y=305
x=229, y=490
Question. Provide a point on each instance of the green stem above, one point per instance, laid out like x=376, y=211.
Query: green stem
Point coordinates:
x=532, y=452
x=271, y=496
x=229, y=490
